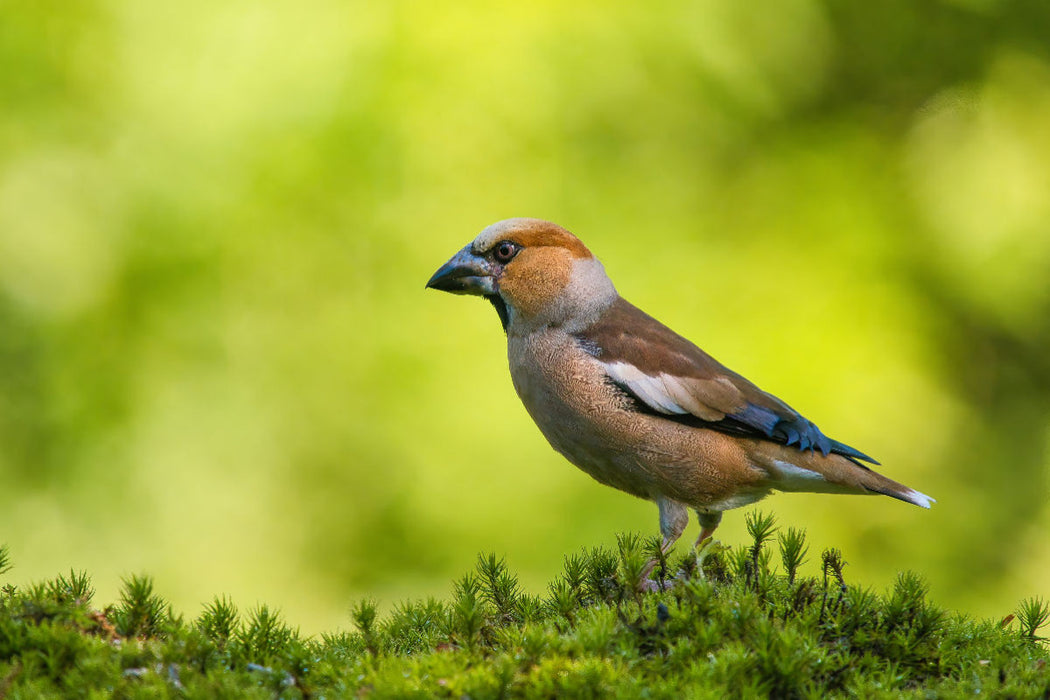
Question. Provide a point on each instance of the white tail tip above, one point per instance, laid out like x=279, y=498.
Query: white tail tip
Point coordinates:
x=919, y=499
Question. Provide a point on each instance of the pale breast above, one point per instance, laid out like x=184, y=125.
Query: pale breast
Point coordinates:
x=574, y=407
x=589, y=421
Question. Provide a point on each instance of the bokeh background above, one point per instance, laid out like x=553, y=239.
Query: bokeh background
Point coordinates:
x=218, y=364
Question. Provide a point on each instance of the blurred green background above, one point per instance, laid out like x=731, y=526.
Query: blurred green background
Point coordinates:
x=218, y=364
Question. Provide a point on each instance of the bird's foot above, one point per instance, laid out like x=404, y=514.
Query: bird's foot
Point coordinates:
x=705, y=549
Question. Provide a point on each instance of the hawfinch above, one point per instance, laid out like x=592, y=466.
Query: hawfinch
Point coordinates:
x=631, y=402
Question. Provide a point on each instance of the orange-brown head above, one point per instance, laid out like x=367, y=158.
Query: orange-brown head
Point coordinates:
x=534, y=272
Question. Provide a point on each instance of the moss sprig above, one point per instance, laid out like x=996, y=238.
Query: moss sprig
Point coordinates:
x=733, y=625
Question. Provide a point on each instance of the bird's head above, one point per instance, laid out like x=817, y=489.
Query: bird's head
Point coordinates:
x=534, y=272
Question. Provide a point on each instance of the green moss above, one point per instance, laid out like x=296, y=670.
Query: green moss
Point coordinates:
x=732, y=625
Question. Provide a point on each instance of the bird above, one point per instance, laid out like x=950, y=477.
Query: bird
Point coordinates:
x=634, y=404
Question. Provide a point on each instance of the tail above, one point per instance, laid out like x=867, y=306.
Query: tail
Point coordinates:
x=852, y=474
x=888, y=487
x=792, y=470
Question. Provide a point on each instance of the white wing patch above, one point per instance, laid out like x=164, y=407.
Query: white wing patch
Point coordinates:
x=651, y=390
x=663, y=393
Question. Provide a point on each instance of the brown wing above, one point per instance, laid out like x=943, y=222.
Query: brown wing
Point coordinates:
x=670, y=376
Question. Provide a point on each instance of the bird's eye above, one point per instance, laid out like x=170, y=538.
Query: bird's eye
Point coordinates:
x=505, y=251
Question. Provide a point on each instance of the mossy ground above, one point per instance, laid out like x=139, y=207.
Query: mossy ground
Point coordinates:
x=732, y=624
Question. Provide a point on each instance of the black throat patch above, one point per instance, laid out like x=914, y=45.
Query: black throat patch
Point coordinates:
x=501, y=308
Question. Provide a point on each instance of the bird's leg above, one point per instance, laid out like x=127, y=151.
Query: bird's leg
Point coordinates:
x=674, y=516
x=709, y=520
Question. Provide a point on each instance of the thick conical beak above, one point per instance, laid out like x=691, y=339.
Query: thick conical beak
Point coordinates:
x=465, y=273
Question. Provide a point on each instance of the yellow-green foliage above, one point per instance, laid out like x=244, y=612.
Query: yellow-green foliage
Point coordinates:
x=734, y=627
